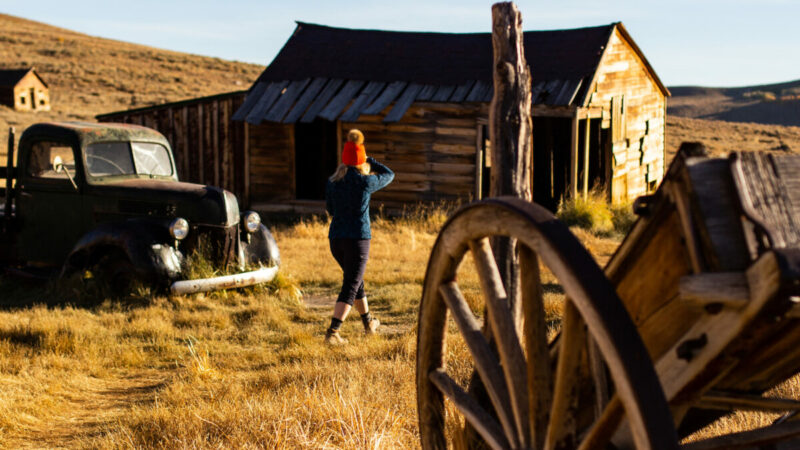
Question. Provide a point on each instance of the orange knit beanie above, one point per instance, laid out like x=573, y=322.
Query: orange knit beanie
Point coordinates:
x=354, y=153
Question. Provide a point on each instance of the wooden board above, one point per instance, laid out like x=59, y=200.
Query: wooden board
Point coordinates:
x=386, y=98
x=340, y=101
x=308, y=96
x=365, y=98
x=403, y=103
x=330, y=89
x=286, y=100
x=271, y=93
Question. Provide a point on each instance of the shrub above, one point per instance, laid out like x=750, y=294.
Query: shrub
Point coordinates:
x=591, y=213
x=623, y=217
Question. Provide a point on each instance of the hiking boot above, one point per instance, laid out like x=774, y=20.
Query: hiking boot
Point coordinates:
x=333, y=337
x=371, y=327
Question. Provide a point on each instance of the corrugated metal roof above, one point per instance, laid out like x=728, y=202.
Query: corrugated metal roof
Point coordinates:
x=370, y=69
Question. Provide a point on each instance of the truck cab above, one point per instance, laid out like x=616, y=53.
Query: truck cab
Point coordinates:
x=86, y=193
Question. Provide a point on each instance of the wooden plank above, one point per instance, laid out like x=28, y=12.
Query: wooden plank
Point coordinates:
x=765, y=197
x=461, y=92
x=728, y=289
x=251, y=100
x=443, y=93
x=271, y=93
x=676, y=369
x=286, y=100
x=716, y=204
x=364, y=99
x=426, y=93
x=309, y=94
x=386, y=98
x=478, y=92
x=340, y=101
x=573, y=159
x=215, y=140
x=322, y=99
x=403, y=103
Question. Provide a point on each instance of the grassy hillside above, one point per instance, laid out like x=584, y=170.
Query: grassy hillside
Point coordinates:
x=775, y=104
x=89, y=75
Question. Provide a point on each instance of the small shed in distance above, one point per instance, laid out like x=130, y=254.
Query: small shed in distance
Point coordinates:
x=422, y=100
x=24, y=90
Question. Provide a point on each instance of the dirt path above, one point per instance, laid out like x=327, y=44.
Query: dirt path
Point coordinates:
x=92, y=410
x=323, y=305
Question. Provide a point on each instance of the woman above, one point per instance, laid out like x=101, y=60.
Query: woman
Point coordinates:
x=347, y=197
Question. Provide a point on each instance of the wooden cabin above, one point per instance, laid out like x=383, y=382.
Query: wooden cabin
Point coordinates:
x=24, y=90
x=422, y=101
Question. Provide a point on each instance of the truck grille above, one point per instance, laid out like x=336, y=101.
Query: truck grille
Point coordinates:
x=218, y=244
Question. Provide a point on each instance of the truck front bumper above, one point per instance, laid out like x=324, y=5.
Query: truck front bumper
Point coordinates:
x=224, y=282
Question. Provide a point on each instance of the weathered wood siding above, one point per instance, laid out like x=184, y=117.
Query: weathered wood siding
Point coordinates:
x=209, y=148
x=272, y=162
x=431, y=150
x=634, y=108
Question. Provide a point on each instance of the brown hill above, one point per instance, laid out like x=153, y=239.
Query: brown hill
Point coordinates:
x=722, y=137
x=89, y=75
x=773, y=104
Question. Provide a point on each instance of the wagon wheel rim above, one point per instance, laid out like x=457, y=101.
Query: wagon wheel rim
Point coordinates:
x=532, y=406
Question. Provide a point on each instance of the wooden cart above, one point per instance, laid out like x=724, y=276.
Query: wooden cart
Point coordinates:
x=695, y=316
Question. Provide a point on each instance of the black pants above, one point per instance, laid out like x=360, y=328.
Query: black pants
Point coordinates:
x=352, y=256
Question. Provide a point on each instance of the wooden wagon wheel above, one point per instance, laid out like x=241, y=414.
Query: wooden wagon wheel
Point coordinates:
x=537, y=394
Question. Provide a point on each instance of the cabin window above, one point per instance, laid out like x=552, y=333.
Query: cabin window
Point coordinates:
x=42, y=156
x=22, y=100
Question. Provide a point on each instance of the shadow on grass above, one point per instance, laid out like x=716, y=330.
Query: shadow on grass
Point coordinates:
x=21, y=293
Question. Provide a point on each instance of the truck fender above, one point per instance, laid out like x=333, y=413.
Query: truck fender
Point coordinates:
x=261, y=249
x=145, y=243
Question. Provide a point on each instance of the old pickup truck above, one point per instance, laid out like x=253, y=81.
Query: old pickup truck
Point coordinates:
x=105, y=199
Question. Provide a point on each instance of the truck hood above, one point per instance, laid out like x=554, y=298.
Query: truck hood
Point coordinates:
x=199, y=204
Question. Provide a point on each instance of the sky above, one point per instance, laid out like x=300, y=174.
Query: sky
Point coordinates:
x=688, y=42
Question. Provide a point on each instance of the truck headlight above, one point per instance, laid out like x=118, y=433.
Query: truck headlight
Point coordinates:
x=179, y=228
x=252, y=221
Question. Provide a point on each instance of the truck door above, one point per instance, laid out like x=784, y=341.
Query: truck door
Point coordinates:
x=48, y=204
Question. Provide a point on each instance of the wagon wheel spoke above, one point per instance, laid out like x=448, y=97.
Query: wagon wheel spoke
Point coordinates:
x=472, y=411
x=600, y=433
x=599, y=377
x=561, y=431
x=486, y=363
x=508, y=344
x=540, y=380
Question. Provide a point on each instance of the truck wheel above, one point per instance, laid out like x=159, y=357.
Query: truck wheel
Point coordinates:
x=117, y=274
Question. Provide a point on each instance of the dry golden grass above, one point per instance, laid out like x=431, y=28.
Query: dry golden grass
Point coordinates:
x=245, y=369
x=239, y=369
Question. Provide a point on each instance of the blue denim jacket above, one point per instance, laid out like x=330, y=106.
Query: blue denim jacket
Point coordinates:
x=347, y=200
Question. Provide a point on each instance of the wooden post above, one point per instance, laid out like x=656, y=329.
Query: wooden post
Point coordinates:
x=587, y=134
x=510, y=131
x=573, y=157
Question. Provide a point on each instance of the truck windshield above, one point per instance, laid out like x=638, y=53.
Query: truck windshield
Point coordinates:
x=127, y=158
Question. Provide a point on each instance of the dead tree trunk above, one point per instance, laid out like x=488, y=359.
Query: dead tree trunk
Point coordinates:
x=510, y=131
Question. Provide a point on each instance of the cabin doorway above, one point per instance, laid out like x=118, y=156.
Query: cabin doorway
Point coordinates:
x=551, y=160
x=316, y=157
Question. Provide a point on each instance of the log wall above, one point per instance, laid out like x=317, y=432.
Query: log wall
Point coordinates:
x=431, y=150
x=272, y=162
x=209, y=148
x=635, y=109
